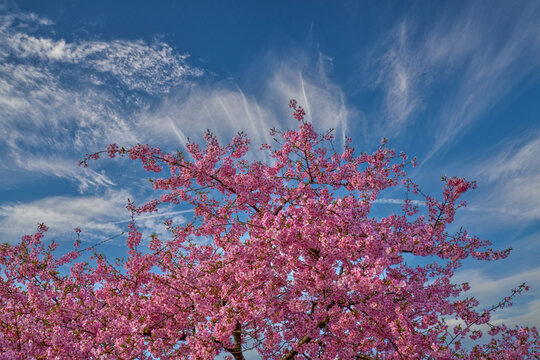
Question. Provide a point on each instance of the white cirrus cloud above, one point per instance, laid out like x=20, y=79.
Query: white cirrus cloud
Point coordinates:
x=309, y=83
x=511, y=176
x=517, y=158
x=94, y=214
x=399, y=75
x=67, y=169
x=490, y=289
x=399, y=202
x=484, y=51
x=98, y=216
x=226, y=109
x=153, y=68
x=222, y=110
x=60, y=99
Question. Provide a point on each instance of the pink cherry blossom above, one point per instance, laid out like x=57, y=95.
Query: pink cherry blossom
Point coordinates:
x=294, y=265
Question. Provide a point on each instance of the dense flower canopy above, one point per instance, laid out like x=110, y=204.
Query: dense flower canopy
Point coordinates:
x=283, y=256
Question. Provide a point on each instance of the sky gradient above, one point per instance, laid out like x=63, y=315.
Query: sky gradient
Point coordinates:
x=453, y=83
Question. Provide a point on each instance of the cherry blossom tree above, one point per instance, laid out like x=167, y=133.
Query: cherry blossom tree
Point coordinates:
x=283, y=256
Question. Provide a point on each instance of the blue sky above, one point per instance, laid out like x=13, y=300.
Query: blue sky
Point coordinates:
x=453, y=83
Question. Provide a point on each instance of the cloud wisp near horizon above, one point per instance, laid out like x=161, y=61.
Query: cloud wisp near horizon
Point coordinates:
x=454, y=84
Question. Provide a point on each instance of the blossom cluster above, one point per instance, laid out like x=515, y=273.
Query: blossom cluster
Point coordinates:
x=297, y=266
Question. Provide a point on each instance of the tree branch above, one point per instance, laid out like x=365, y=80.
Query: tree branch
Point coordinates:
x=306, y=339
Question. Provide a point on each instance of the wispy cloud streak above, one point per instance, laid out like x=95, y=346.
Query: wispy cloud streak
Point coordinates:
x=226, y=108
x=494, y=62
x=59, y=99
x=399, y=202
x=489, y=289
x=482, y=51
x=153, y=68
x=94, y=214
x=514, y=174
x=399, y=75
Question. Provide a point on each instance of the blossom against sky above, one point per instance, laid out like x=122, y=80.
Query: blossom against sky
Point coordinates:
x=454, y=83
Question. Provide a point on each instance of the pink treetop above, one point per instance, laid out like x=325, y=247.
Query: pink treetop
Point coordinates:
x=284, y=258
